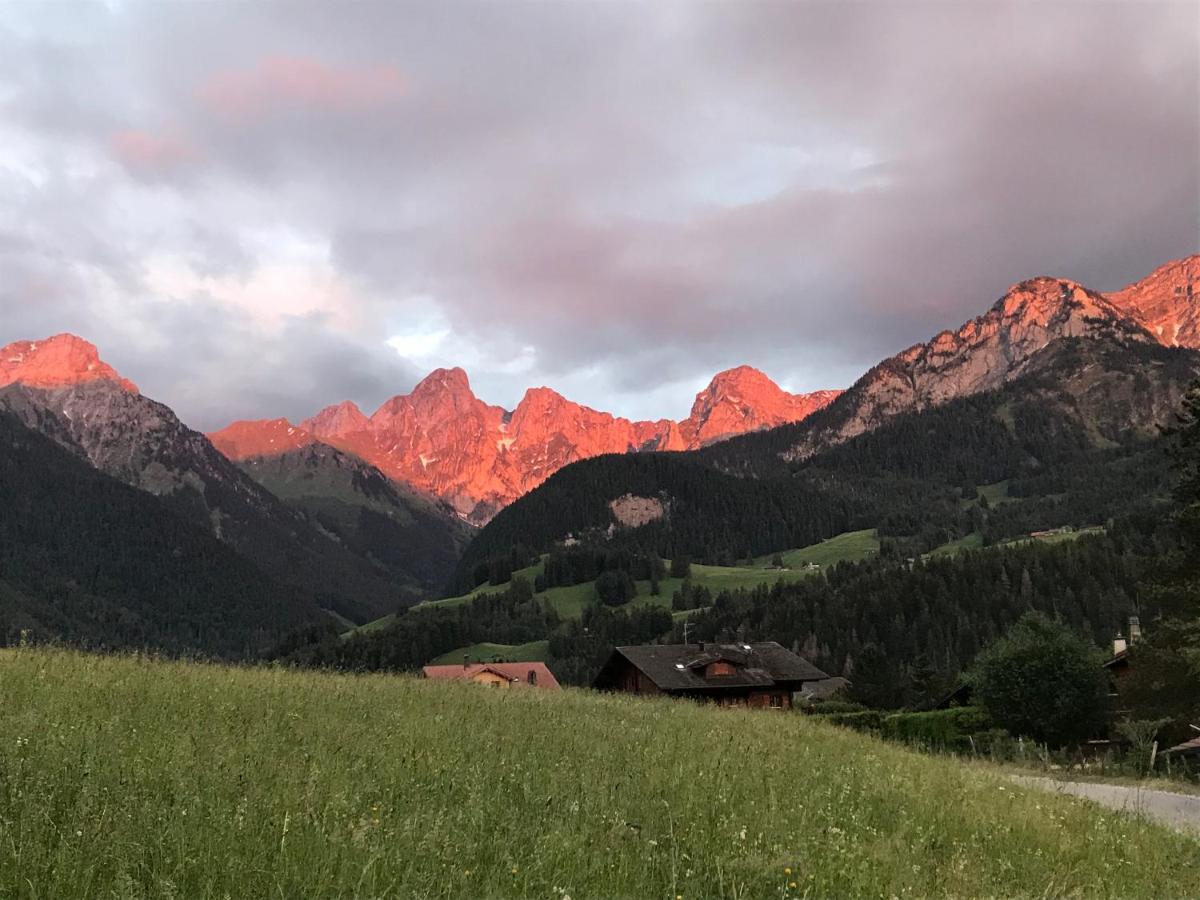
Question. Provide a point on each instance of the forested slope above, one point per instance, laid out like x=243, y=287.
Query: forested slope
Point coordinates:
x=89, y=560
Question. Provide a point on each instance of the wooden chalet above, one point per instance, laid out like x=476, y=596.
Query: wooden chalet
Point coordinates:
x=762, y=675
x=497, y=674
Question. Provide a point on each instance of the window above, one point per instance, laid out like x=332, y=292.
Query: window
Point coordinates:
x=776, y=701
x=532, y=678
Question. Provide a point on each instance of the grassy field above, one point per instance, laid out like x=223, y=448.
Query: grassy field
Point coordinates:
x=125, y=777
x=534, y=651
x=974, y=540
x=850, y=546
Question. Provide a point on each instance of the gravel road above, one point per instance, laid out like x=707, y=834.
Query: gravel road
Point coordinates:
x=1177, y=810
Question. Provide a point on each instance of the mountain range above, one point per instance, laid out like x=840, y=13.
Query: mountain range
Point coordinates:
x=1056, y=387
x=443, y=440
x=1065, y=373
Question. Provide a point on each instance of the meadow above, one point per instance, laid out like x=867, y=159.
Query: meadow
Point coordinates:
x=132, y=777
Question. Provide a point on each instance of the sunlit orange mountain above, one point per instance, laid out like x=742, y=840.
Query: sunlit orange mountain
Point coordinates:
x=443, y=439
x=57, y=361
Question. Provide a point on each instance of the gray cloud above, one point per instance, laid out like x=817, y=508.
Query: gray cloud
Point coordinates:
x=242, y=203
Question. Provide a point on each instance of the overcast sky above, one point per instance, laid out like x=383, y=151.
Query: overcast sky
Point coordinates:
x=259, y=209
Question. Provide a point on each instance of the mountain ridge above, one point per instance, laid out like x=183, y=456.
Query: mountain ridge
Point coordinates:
x=442, y=439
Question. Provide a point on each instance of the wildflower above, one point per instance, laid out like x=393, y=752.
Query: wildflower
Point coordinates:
x=514, y=870
x=791, y=884
x=787, y=870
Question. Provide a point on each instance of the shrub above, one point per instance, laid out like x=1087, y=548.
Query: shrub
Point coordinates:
x=939, y=729
x=1041, y=680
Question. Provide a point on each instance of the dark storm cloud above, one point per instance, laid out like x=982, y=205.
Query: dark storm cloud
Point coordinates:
x=247, y=201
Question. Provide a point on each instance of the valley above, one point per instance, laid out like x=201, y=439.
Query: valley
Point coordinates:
x=599, y=451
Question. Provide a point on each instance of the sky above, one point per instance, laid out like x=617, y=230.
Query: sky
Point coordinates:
x=258, y=209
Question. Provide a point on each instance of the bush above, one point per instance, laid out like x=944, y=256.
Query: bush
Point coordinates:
x=939, y=729
x=1043, y=681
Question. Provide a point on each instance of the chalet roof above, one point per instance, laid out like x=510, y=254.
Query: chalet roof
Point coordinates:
x=515, y=672
x=680, y=667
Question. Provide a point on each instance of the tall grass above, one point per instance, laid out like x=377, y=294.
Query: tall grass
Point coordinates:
x=128, y=777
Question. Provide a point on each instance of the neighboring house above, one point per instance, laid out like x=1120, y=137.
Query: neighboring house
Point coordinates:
x=822, y=690
x=504, y=675
x=762, y=675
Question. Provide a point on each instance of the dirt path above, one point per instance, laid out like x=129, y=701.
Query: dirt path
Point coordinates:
x=1177, y=810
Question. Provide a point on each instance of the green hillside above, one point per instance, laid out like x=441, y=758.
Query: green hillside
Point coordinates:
x=534, y=651
x=128, y=777
x=850, y=546
x=570, y=601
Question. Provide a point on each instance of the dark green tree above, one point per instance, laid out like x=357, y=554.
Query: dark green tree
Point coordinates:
x=681, y=566
x=874, y=680
x=615, y=587
x=1042, y=681
x=1164, y=679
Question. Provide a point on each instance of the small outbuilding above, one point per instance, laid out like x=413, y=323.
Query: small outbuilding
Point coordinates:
x=762, y=675
x=501, y=675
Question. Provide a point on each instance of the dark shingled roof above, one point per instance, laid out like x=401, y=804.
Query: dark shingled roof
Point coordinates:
x=680, y=667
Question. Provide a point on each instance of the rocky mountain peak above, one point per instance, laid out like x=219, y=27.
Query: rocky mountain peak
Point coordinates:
x=59, y=361
x=1166, y=302
x=744, y=399
x=339, y=419
x=443, y=382
x=442, y=439
x=983, y=354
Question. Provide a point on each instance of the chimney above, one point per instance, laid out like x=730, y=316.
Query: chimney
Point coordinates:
x=1135, y=630
x=466, y=661
x=702, y=646
x=1119, y=645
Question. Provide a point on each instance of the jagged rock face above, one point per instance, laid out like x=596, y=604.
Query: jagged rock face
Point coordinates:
x=443, y=440
x=982, y=355
x=128, y=436
x=1166, y=302
x=58, y=361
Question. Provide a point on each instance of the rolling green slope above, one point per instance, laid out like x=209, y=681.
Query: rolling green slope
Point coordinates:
x=570, y=601
x=128, y=777
x=850, y=546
